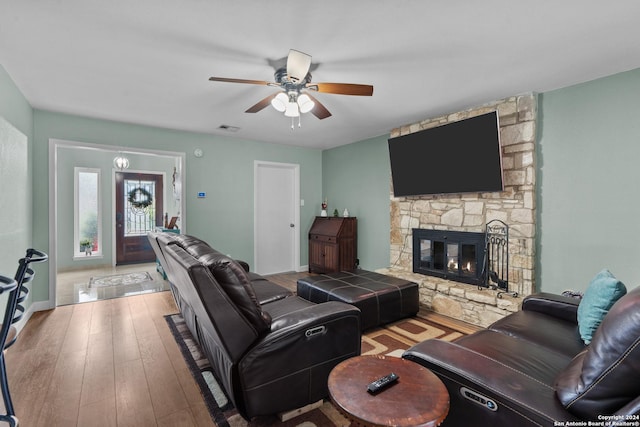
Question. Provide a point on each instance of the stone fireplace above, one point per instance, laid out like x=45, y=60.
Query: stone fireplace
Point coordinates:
x=470, y=212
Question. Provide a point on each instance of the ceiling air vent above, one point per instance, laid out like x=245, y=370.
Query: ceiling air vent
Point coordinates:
x=229, y=128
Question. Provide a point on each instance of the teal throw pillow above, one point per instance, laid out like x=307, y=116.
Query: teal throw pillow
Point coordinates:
x=603, y=291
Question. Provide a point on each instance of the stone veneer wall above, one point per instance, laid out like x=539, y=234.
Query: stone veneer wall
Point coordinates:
x=471, y=212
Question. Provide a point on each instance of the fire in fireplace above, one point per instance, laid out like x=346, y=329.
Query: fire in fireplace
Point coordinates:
x=452, y=255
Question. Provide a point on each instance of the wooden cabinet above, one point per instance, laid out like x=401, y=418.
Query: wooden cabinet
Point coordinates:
x=333, y=244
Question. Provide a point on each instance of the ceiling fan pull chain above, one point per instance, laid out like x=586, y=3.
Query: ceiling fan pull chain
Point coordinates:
x=292, y=127
x=299, y=121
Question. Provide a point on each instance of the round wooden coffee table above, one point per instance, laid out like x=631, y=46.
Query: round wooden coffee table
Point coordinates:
x=418, y=398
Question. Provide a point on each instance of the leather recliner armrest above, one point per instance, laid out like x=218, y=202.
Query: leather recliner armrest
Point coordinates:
x=311, y=316
x=565, y=308
x=519, y=397
x=289, y=366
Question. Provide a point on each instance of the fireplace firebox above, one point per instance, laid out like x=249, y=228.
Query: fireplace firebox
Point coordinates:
x=451, y=255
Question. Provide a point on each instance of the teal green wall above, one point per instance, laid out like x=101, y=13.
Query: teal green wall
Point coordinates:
x=225, y=172
x=16, y=230
x=358, y=177
x=14, y=106
x=588, y=161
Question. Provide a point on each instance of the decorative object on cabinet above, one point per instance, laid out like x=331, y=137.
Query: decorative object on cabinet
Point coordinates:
x=333, y=244
x=324, y=208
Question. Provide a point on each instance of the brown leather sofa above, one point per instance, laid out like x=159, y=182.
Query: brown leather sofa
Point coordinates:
x=270, y=350
x=532, y=368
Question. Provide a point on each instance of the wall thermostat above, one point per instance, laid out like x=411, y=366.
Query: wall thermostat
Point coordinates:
x=198, y=152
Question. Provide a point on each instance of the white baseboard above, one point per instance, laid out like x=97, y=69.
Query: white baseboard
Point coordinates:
x=303, y=268
x=36, y=306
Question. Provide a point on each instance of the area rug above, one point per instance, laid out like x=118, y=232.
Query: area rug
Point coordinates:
x=391, y=339
x=120, y=279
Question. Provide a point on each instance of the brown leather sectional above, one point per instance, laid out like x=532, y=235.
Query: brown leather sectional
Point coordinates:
x=270, y=350
x=531, y=368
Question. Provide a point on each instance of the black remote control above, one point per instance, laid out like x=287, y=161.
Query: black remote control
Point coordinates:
x=382, y=383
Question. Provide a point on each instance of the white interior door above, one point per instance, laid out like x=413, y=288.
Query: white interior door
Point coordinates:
x=277, y=217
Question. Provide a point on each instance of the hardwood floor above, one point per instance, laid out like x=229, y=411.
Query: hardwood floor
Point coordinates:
x=104, y=363
x=111, y=363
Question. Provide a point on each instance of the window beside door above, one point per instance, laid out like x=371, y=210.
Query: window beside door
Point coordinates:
x=87, y=213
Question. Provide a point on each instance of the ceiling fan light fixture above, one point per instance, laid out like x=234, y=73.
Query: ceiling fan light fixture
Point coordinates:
x=280, y=101
x=305, y=103
x=292, y=80
x=292, y=110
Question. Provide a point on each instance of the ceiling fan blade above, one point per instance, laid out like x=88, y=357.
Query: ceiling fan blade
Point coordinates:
x=298, y=64
x=260, y=105
x=229, y=80
x=342, y=88
x=319, y=110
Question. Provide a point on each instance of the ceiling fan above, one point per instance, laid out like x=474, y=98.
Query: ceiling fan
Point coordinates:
x=294, y=81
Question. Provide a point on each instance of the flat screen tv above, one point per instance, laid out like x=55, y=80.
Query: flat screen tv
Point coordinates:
x=459, y=157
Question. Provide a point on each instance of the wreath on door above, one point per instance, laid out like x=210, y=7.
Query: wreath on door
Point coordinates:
x=140, y=198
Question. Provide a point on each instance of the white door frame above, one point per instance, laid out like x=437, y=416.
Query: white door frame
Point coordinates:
x=296, y=207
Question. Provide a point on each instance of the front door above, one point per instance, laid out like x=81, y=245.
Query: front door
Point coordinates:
x=138, y=211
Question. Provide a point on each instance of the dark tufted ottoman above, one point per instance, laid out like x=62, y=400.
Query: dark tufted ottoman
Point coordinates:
x=381, y=299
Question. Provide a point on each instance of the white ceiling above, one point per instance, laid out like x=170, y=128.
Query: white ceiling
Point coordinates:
x=148, y=61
